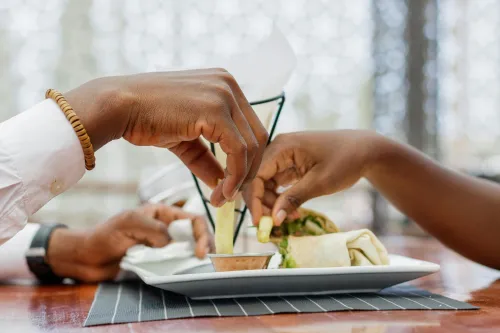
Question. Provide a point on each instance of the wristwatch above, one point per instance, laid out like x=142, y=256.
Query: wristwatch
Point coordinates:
x=37, y=254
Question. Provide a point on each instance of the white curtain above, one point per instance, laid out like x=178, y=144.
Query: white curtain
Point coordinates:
x=63, y=43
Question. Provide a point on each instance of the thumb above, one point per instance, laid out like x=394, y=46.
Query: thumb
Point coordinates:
x=200, y=161
x=146, y=231
x=290, y=200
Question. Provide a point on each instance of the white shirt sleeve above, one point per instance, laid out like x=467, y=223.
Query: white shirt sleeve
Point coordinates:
x=40, y=157
x=13, y=255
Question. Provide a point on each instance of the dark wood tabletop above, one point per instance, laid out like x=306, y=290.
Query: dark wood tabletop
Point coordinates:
x=29, y=308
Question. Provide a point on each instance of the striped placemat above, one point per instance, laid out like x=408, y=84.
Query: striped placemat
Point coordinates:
x=129, y=302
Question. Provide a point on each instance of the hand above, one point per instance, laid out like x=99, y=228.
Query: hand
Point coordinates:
x=314, y=164
x=95, y=255
x=174, y=110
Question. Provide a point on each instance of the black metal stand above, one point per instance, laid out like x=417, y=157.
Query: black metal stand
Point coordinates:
x=281, y=101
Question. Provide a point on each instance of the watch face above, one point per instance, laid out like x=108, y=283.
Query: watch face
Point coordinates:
x=36, y=252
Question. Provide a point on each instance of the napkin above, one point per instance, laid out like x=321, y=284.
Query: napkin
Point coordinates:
x=175, y=258
x=352, y=248
x=142, y=254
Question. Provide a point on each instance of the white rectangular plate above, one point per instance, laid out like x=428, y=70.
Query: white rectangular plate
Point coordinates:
x=202, y=282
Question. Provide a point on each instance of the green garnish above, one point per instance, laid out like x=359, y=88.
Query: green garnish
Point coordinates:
x=288, y=262
x=292, y=227
x=283, y=246
x=307, y=225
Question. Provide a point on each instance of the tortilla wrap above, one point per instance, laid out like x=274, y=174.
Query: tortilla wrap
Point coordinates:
x=341, y=249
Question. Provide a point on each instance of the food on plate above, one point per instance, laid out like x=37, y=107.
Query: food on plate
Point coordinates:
x=264, y=231
x=313, y=240
x=309, y=223
x=224, y=228
x=340, y=249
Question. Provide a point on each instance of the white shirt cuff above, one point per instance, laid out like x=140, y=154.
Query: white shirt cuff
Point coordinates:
x=12, y=255
x=40, y=157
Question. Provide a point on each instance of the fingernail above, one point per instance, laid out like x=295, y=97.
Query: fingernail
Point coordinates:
x=281, y=216
x=217, y=198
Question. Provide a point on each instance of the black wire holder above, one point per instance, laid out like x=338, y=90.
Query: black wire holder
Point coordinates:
x=281, y=101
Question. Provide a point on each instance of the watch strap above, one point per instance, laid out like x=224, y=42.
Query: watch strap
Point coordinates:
x=37, y=253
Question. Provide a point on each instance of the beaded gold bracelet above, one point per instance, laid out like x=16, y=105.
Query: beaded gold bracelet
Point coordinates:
x=74, y=120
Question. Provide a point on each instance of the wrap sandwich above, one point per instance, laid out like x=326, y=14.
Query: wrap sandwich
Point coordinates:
x=340, y=249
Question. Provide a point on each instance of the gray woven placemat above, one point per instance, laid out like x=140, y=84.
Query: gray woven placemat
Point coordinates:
x=129, y=302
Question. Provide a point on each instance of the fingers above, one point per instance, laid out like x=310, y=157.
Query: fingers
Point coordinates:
x=167, y=214
x=276, y=161
x=287, y=177
x=202, y=236
x=289, y=201
x=253, y=196
x=269, y=198
x=200, y=160
x=258, y=129
x=241, y=136
x=253, y=148
x=234, y=145
x=144, y=229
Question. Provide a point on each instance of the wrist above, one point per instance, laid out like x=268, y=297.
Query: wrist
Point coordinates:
x=64, y=251
x=103, y=109
x=382, y=151
x=384, y=154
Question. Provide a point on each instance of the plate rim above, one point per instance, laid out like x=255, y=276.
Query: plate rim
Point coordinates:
x=420, y=266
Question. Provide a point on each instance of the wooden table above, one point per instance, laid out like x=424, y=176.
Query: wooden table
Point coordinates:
x=64, y=308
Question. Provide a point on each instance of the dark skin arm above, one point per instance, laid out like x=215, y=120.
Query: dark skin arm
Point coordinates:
x=461, y=211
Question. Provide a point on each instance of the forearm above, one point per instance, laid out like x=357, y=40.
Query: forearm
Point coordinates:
x=461, y=211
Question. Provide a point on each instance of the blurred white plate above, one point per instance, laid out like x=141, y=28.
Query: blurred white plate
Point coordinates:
x=201, y=282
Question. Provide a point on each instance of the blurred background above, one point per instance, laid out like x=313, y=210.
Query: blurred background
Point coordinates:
x=426, y=72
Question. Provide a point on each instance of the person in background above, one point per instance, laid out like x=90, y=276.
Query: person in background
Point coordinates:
x=42, y=153
x=461, y=211
x=93, y=255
